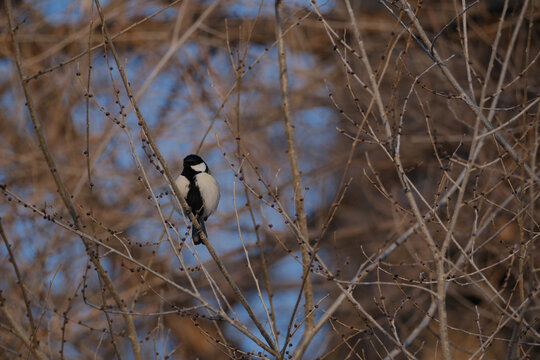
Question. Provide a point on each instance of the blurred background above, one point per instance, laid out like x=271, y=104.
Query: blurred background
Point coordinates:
x=205, y=75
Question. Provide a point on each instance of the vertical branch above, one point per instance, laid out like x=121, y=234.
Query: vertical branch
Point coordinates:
x=465, y=46
x=534, y=153
x=87, y=105
x=301, y=218
x=89, y=172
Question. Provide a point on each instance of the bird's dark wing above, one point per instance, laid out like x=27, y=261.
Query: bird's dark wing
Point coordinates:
x=194, y=199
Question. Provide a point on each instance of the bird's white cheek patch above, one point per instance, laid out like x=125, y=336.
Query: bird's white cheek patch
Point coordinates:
x=199, y=167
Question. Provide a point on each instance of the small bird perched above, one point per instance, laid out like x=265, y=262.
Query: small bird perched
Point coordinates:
x=200, y=190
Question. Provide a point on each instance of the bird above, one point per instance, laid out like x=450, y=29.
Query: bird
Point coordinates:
x=200, y=190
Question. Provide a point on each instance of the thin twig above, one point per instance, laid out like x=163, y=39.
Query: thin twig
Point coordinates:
x=20, y=282
x=19, y=332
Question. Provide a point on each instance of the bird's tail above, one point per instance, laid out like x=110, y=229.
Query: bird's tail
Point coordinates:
x=195, y=233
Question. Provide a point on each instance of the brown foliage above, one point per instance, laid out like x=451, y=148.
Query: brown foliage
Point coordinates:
x=417, y=165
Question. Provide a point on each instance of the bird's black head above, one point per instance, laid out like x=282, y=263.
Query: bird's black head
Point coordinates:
x=194, y=164
x=192, y=159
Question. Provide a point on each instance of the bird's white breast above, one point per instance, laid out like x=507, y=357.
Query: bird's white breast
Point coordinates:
x=183, y=185
x=209, y=189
